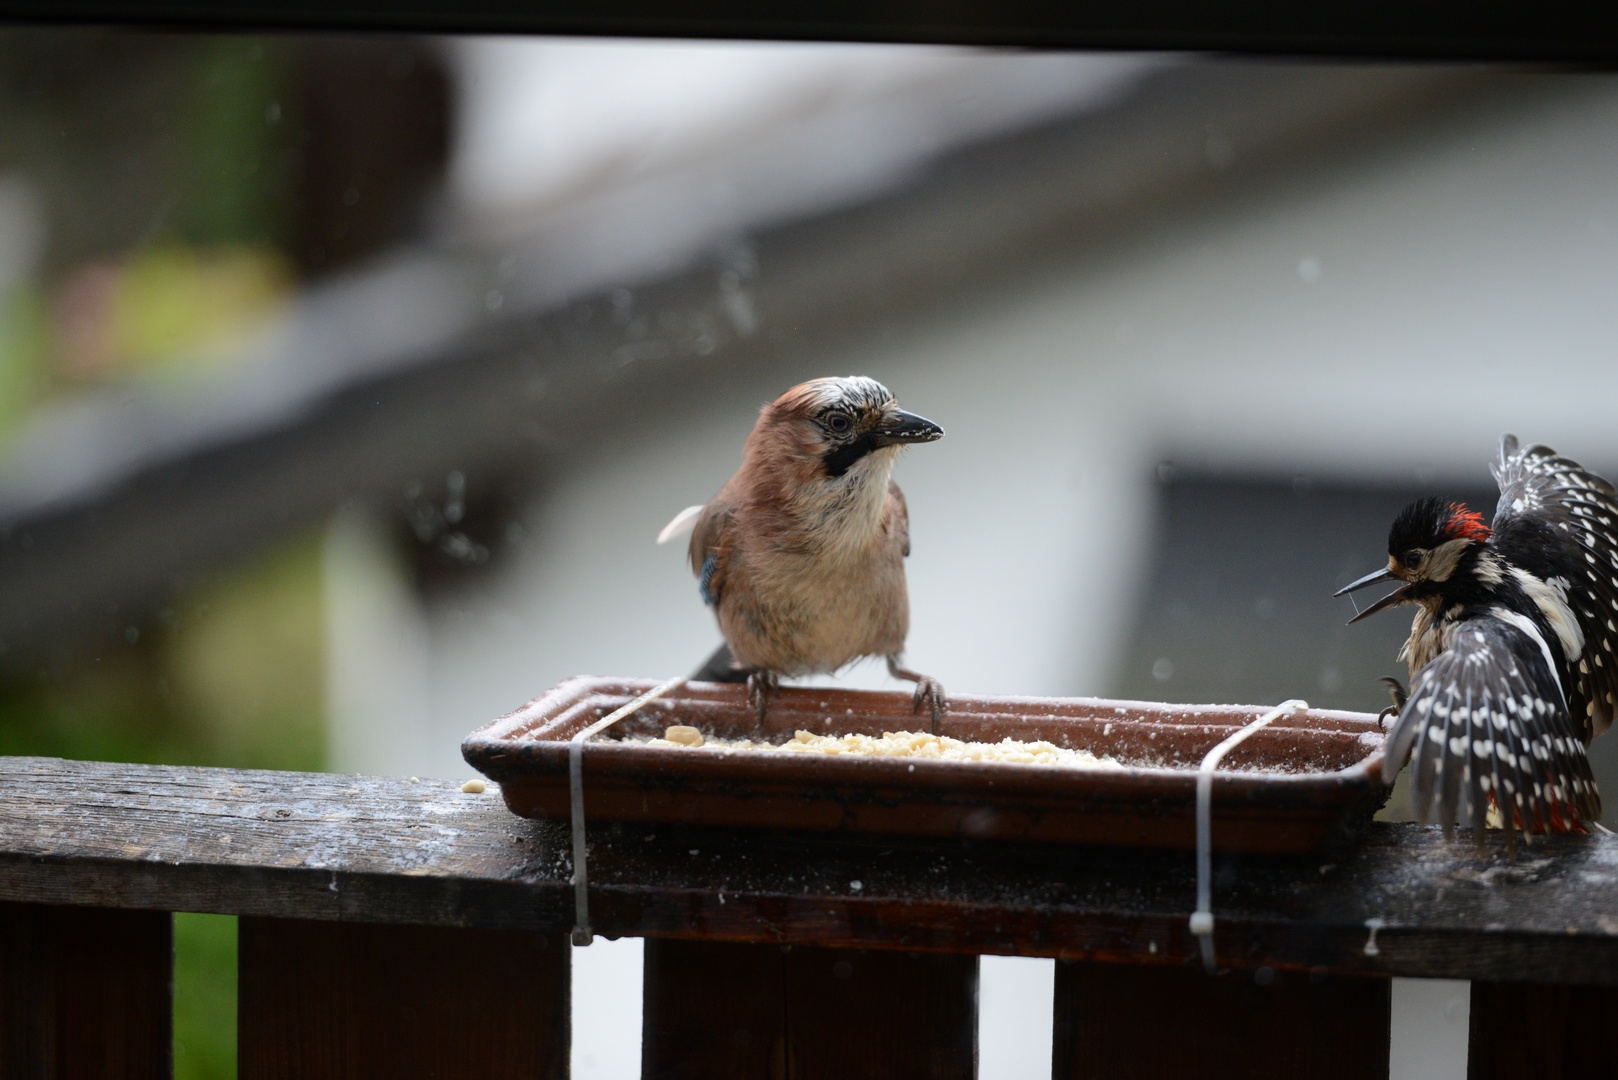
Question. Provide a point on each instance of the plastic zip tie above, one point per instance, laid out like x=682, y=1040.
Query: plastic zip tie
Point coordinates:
x=582, y=934
x=1202, y=920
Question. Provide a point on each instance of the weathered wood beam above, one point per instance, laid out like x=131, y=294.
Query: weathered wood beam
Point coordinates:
x=364, y=849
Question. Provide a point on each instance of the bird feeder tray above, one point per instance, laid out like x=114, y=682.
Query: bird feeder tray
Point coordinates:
x=1309, y=776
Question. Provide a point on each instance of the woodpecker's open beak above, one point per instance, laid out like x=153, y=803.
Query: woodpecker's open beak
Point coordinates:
x=1385, y=574
x=904, y=427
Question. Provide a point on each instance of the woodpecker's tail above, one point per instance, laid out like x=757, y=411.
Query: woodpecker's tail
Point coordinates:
x=1486, y=724
x=720, y=667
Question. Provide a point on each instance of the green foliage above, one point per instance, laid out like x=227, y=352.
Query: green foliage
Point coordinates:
x=247, y=667
x=24, y=345
x=233, y=677
x=237, y=157
x=204, y=997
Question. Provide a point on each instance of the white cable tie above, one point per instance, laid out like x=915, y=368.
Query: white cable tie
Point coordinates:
x=1202, y=920
x=582, y=935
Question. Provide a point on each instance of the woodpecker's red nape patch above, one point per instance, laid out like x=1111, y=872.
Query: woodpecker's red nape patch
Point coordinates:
x=1467, y=523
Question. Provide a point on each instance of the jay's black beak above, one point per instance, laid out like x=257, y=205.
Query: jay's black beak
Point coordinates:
x=904, y=427
x=1385, y=574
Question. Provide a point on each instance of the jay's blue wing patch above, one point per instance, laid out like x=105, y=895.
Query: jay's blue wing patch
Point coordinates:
x=705, y=579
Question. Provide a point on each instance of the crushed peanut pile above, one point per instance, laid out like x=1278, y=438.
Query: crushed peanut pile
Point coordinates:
x=913, y=744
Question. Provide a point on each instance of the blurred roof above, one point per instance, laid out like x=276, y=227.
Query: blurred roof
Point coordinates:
x=632, y=268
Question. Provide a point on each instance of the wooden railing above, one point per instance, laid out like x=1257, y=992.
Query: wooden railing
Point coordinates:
x=397, y=929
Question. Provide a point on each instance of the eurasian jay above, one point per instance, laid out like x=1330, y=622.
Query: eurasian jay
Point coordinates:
x=801, y=555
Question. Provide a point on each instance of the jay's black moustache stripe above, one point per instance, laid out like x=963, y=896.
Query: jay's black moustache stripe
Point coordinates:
x=842, y=459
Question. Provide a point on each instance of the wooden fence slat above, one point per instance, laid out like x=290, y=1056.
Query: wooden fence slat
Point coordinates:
x=1151, y=1022
x=763, y=1011
x=885, y=1015
x=713, y=1009
x=1547, y=1032
x=85, y=993
x=323, y=1000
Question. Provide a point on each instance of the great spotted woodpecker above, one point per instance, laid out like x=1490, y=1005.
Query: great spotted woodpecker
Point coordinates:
x=801, y=555
x=1513, y=653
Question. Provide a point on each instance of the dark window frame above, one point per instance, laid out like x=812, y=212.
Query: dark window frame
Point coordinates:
x=1565, y=31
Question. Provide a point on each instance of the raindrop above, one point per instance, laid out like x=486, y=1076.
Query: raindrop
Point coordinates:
x=455, y=504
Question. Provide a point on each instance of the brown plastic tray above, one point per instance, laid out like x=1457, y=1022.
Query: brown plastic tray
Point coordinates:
x=1288, y=787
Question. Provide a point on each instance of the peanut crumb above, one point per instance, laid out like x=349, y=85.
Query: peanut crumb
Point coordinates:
x=912, y=744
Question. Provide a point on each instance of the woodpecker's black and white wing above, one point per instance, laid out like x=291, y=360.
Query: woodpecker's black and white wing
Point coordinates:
x=1485, y=723
x=1559, y=522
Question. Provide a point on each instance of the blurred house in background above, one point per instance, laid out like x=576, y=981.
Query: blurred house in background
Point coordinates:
x=342, y=421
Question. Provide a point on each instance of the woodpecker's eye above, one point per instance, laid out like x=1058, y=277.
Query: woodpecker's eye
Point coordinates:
x=1413, y=557
x=839, y=423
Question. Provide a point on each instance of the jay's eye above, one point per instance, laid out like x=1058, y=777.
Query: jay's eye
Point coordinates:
x=838, y=422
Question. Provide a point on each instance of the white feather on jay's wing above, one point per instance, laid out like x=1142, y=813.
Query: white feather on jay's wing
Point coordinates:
x=801, y=554
x=1512, y=651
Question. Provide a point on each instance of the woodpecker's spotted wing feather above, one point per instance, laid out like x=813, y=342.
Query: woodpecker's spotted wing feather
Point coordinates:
x=1485, y=723
x=1560, y=522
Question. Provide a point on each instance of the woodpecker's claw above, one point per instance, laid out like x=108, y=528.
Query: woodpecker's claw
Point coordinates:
x=1397, y=691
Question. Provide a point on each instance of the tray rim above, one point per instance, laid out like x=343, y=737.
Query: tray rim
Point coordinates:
x=489, y=746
